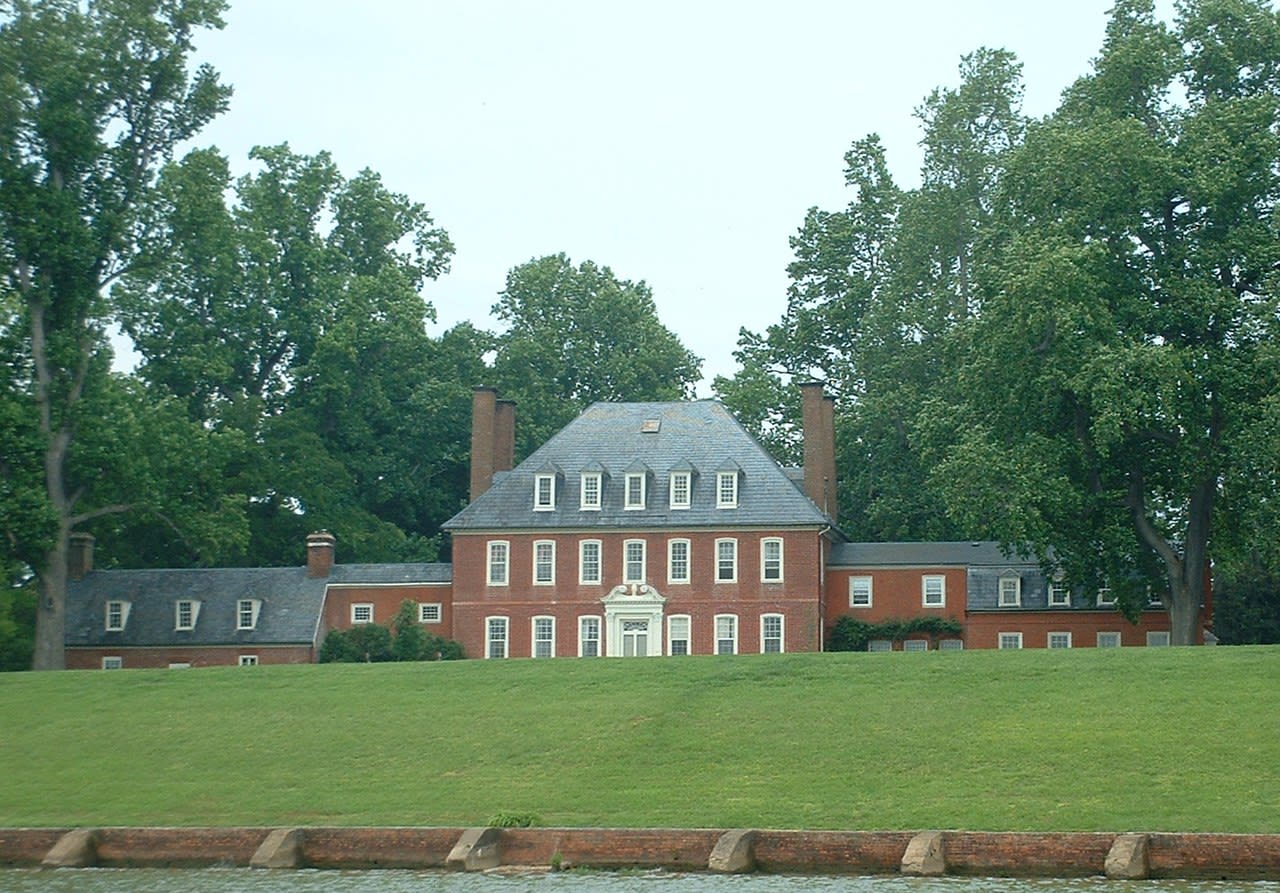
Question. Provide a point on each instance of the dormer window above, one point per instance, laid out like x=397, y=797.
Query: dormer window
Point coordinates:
x=635, y=495
x=726, y=489
x=185, y=613
x=681, y=489
x=1010, y=591
x=544, y=492
x=117, y=615
x=247, y=610
x=590, y=501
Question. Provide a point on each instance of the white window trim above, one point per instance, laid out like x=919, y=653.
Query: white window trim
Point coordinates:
x=870, y=592
x=125, y=607
x=551, y=580
x=177, y=614
x=1108, y=633
x=1048, y=639
x=723, y=478
x=1017, y=592
x=782, y=632
x=583, y=579
x=879, y=646
x=924, y=591
x=255, y=608
x=1000, y=641
x=764, y=545
x=915, y=645
x=688, y=561
x=1161, y=636
x=687, y=477
x=489, y=563
x=639, y=479
x=539, y=504
x=533, y=635
x=112, y=662
x=734, y=578
x=357, y=607
x=583, y=504
x=599, y=639
x=247, y=660
x=489, y=640
x=1106, y=598
x=688, y=636
x=951, y=644
x=715, y=629
x=1059, y=594
x=427, y=609
x=627, y=576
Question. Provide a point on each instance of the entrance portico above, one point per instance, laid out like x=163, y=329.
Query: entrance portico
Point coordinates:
x=633, y=621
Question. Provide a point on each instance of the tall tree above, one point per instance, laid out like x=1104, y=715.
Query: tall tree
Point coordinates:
x=1123, y=359
x=94, y=98
x=578, y=334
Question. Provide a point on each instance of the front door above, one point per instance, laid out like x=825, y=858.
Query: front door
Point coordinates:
x=635, y=638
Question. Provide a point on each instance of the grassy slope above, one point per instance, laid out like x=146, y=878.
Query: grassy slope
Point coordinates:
x=1151, y=739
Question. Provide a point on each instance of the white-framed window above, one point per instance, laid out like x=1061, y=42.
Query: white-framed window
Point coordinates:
x=430, y=612
x=726, y=634
x=1059, y=640
x=771, y=634
x=362, y=612
x=179, y=665
x=633, y=560
x=1106, y=598
x=951, y=644
x=1157, y=638
x=1006, y=641
x=915, y=645
x=681, y=489
x=544, y=492
x=859, y=592
x=544, y=562
x=771, y=559
x=113, y=662
x=247, y=610
x=726, y=489
x=589, y=562
x=933, y=591
x=678, y=627
x=544, y=637
x=1010, y=592
x=634, y=494
x=498, y=562
x=588, y=637
x=185, y=613
x=590, y=493
x=677, y=561
x=495, y=637
x=1108, y=640
x=248, y=660
x=726, y=560
x=117, y=615
x=880, y=645
x=1059, y=594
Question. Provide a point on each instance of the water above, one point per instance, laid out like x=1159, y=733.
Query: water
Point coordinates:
x=243, y=880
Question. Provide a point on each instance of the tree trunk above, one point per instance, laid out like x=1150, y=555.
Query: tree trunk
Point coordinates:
x=51, y=616
x=1184, y=611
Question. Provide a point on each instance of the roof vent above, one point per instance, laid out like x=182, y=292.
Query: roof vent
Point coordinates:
x=650, y=426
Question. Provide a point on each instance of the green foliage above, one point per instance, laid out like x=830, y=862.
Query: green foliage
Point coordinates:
x=514, y=820
x=586, y=336
x=17, y=627
x=1246, y=605
x=405, y=640
x=849, y=633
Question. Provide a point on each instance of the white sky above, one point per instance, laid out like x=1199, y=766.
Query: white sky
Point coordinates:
x=676, y=142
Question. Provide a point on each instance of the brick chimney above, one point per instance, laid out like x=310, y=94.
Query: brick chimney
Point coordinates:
x=493, y=437
x=818, y=413
x=320, y=553
x=79, y=555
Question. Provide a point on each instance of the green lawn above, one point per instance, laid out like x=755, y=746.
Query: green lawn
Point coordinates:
x=1124, y=739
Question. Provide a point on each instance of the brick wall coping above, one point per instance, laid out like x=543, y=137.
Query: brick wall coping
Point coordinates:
x=991, y=854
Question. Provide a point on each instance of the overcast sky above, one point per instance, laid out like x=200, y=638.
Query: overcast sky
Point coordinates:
x=675, y=142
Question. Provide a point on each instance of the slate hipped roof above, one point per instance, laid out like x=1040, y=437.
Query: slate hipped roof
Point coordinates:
x=701, y=435
x=290, y=612
x=943, y=554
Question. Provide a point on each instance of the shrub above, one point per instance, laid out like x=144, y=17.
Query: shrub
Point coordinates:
x=851, y=634
x=514, y=820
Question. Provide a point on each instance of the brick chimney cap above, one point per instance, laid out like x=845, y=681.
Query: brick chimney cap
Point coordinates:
x=320, y=537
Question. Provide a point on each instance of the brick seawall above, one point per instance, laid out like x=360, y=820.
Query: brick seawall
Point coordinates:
x=993, y=854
